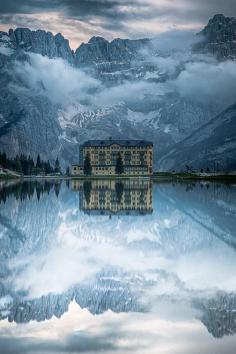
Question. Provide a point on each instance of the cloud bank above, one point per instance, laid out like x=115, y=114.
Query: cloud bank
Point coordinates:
x=55, y=79
x=206, y=82
x=200, y=79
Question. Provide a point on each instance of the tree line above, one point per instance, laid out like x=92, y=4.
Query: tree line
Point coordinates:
x=27, y=166
x=27, y=190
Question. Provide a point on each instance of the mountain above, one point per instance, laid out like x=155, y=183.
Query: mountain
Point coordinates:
x=40, y=42
x=99, y=51
x=219, y=37
x=101, y=295
x=133, y=93
x=213, y=145
x=51, y=253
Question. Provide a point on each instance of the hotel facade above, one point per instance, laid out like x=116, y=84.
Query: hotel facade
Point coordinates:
x=136, y=156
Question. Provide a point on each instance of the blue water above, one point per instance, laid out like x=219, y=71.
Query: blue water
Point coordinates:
x=117, y=267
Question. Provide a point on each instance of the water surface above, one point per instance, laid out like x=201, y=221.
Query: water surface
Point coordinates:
x=117, y=267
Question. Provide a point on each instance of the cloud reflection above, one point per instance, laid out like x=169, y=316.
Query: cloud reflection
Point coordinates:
x=159, y=273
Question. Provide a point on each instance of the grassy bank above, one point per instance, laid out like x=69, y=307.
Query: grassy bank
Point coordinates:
x=7, y=176
x=195, y=176
x=157, y=176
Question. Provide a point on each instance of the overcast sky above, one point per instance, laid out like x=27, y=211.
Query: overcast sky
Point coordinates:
x=78, y=20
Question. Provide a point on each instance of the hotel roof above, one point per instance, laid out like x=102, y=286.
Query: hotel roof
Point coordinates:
x=110, y=142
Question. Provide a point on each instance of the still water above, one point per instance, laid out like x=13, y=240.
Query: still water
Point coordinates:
x=117, y=267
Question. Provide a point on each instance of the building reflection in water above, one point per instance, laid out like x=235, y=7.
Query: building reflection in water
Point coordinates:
x=133, y=196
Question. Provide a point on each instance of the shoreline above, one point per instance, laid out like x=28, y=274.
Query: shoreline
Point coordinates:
x=156, y=176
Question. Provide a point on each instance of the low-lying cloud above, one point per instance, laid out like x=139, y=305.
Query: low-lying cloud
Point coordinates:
x=56, y=79
x=200, y=79
x=206, y=82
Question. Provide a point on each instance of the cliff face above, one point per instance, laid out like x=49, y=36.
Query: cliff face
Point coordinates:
x=97, y=51
x=213, y=146
x=219, y=37
x=129, y=70
x=108, y=55
x=41, y=42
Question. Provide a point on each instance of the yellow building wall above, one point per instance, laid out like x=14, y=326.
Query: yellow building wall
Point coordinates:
x=103, y=159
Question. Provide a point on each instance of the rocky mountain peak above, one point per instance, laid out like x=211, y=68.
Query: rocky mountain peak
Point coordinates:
x=99, y=50
x=219, y=18
x=40, y=42
x=219, y=37
x=98, y=40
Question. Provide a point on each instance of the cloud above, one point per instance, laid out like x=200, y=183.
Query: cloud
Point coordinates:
x=5, y=50
x=128, y=92
x=55, y=79
x=147, y=248
x=193, y=77
x=78, y=342
x=112, y=18
x=174, y=41
x=208, y=82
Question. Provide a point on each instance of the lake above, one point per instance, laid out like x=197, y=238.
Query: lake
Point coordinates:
x=117, y=266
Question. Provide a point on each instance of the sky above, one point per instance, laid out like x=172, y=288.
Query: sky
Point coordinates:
x=78, y=20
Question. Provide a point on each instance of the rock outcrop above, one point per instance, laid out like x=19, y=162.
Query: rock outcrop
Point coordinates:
x=32, y=123
x=99, y=51
x=41, y=42
x=211, y=146
x=219, y=38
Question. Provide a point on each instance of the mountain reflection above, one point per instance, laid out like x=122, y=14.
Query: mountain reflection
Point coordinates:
x=60, y=244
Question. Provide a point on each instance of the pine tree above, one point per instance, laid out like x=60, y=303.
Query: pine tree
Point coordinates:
x=48, y=167
x=119, y=165
x=18, y=164
x=38, y=162
x=119, y=187
x=87, y=187
x=30, y=165
x=68, y=171
x=57, y=187
x=57, y=166
x=87, y=165
x=3, y=160
x=24, y=164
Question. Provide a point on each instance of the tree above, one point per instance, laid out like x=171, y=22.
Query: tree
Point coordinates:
x=68, y=171
x=119, y=187
x=119, y=165
x=57, y=166
x=48, y=168
x=30, y=165
x=38, y=162
x=87, y=165
x=87, y=187
x=24, y=164
x=18, y=164
x=57, y=187
x=3, y=160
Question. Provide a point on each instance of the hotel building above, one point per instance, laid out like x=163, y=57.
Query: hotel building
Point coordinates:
x=136, y=155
